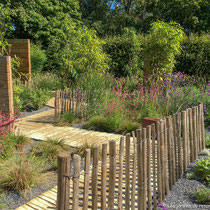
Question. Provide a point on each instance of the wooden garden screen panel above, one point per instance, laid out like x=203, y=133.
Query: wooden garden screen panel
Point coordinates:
x=137, y=172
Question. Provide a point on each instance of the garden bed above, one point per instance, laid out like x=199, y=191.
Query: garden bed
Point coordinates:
x=181, y=195
x=14, y=199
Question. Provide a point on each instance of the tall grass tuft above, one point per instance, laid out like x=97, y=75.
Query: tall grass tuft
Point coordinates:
x=21, y=172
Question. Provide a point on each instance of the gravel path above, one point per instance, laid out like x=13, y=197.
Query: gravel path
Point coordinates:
x=181, y=197
x=25, y=114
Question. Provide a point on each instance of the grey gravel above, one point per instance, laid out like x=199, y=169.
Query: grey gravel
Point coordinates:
x=13, y=199
x=181, y=197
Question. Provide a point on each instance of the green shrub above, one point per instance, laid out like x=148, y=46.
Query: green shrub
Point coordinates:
x=21, y=172
x=202, y=169
x=202, y=195
x=12, y=143
x=205, y=152
x=124, y=52
x=50, y=148
x=190, y=175
x=195, y=56
x=128, y=126
x=81, y=54
x=38, y=58
x=67, y=119
x=161, y=45
x=47, y=80
x=97, y=87
x=207, y=136
x=29, y=97
x=107, y=124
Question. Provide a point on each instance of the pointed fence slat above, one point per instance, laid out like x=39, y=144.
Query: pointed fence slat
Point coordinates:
x=154, y=165
x=103, y=176
x=94, y=178
x=120, y=190
x=86, y=179
x=134, y=172
x=112, y=173
x=76, y=175
x=149, y=189
x=127, y=173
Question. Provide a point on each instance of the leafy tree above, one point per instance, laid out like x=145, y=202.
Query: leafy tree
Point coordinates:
x=82, y=54
x=124, y=51
x=5, y=28
x=161, y=45
x=195, y=56
x=192, y=15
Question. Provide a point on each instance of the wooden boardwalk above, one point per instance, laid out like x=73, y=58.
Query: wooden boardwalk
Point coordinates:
x=47, y=200
x=40, y=127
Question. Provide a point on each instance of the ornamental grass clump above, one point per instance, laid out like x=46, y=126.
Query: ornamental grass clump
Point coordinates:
x=50, y=148
x=21, y=172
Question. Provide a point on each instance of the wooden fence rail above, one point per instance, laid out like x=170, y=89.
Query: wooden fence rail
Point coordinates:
x=139, y=171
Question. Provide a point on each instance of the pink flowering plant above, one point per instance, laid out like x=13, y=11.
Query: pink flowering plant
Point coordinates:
x=7, y=142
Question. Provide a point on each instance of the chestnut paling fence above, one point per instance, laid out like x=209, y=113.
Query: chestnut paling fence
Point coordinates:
x=137, y=172
x=70, y=100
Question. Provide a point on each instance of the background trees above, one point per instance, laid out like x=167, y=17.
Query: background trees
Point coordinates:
x=72, y=32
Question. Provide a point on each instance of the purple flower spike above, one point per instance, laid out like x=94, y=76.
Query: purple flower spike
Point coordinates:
x=160, y=205
x=0, y=151
x=98, y=106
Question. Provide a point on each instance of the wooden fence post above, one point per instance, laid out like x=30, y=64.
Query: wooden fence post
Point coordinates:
x=179, y=143
x=184, y=136
x=127, y=173
x=170, y=151
x=112, y=173
x=159, y=167
x=94, y=177
x=195, y=148
x=187, y=134
x=149, y=190
x=162, y=158
x=144, y=165
x=202, y=127
x=56, y=104
x=166, y=159
x=76, y=175
x=121, y=153
x=175, y=146
x=154, y=132
x=139, y=163
x=133, y=191
x=191, y=137
x=103, y=176
x=63, y=182
x=86, y=179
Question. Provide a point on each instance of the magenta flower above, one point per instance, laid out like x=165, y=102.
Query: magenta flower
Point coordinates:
x=160, y=205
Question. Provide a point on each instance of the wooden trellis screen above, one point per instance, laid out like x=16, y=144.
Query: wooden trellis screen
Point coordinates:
x=138, y=172
x=70, y=100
